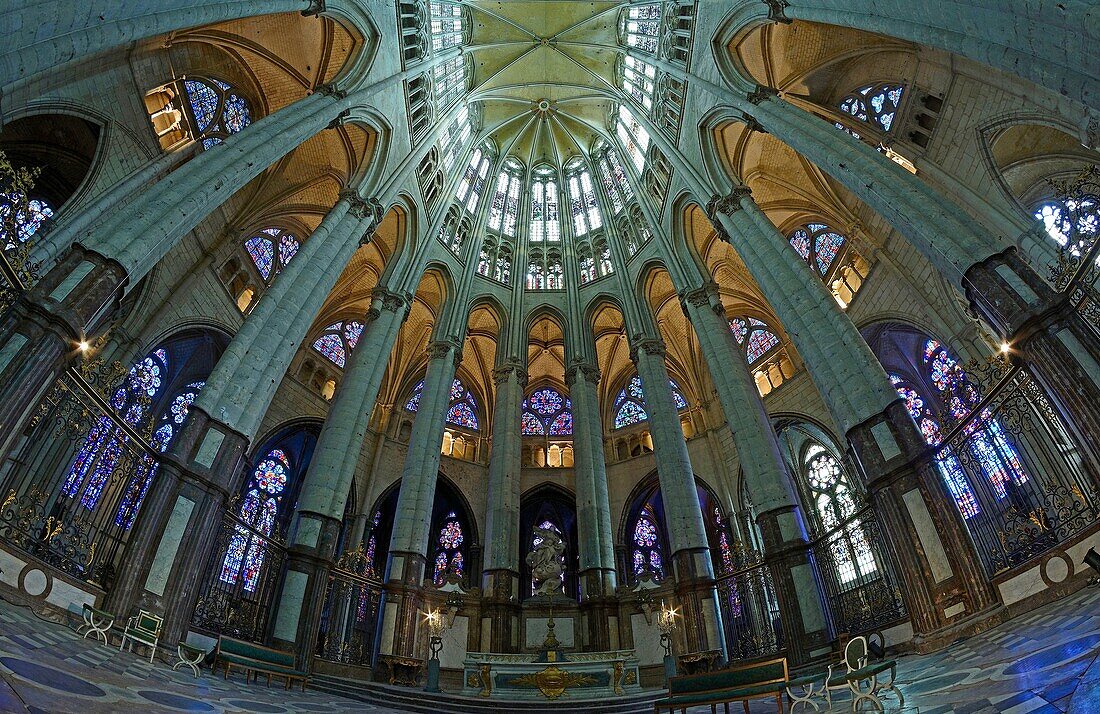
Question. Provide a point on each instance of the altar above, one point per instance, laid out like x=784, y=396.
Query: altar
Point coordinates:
x=551, y=674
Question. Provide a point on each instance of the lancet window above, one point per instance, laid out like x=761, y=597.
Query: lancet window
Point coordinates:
x=216, y=110
x=449, y=79
x=641, y=26
x=874, y=104
x=453, y=140
x=831, y=257
x=270, y=250
x=582, y=199
x=546, y=412
x=338, y=340
x=832, y=497
x=259, y=513
x=634, y=137
x=545, y=226
x=630, y=403
x=448, y=25
x=449, y=550
x=470, y=188
x=646, y=545
x=504, y=208
x=495, y=260
x=614, y=179
x=544, y=270
x=638, y=80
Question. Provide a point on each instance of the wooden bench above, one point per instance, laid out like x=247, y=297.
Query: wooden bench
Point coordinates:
x=256, y=659
x=758, y=680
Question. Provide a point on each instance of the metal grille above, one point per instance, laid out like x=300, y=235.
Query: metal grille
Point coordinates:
x=350, y=613
x=750, y=612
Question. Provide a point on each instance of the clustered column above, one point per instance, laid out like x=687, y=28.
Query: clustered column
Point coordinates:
x=597, y=548
x=500, y=580
x=781, y=520
x=691, y=565
x=407, y=565
x=320, y=509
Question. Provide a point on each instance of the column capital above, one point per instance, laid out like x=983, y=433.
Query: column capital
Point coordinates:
x=391, y=301
x=585, y=370
x=728, y=204
x=653, y=346
x=501, y=374
x=777, y=11
x=316, y=7
x=705, y=295
x=761, y=93
x=340, y=119
x=441, y=348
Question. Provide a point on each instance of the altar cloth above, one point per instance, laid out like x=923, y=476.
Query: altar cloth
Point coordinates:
x=551, y=675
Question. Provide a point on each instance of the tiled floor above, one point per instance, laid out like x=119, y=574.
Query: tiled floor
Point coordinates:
x=1042, y=663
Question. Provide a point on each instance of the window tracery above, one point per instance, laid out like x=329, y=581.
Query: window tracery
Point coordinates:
x=545, y=412
x=259, y=511
x=462, y=408
x=1072, y=222
x=832, y=258
x=216, y=109
x=633, y=136
x=638, y=80
x=449, y=550
x=629, y=405
x=755, y=336
x=338, y=341
x=874, y=104
x=832, y=497
x=582, y=199
x=642, y=27
x=545, y=223
x=271, y=249
x=646, y=545
x=31, y=216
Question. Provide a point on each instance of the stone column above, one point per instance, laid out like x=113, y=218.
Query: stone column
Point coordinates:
x=320, y=509
x=79, y=293
x=41, y=36
x=407, y=566
x=500, y=579
x=946, y=591
x=780, y=517
x=181, y=514
x=597, y=547
x=690, y=563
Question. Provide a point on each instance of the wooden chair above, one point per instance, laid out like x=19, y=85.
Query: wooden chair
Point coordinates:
x=143, y=628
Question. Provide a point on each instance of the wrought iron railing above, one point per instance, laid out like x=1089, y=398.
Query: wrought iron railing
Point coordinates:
x=857, y=575
x=1030, y=484
x=1077, y=273
x=349, y=617
x=750, y=611
x=70, y=481
x=241, y=580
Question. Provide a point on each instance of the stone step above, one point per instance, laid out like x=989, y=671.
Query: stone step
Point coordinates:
x=415, y=700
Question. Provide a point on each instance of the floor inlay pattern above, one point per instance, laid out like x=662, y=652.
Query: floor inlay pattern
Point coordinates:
x=1041, y=663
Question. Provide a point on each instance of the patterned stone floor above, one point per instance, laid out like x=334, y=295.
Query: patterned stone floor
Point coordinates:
x=1042, y=663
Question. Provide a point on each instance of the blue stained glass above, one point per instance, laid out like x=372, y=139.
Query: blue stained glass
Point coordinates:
x=874, y=104
x=29, y=220
x=108, y=460
x=204, y=102
x=629, y=413
x=801, y=242
x=456, y=564
x=145, y=376
x=531, y=425
x=262, y=252
x=255, y=559
x=734, y=600
x=545, y=401
x=84, y=458
x=740, y=330
x=352, y=332
x=655, y=561
x=760, y=341
x=461, y=414
x=634, y=388
x=271, y=474
x=236, y=114
x=827, y=247
x=288, y=247
x=645, y=533
x=414, y=401
x=441, y=562
x=726, y=552
x=457, y=389
x=332, y=347
x=677, y=396
x=639, y=562
x=562, y=425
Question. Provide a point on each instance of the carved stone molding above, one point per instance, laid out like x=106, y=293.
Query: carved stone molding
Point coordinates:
x=329, y=89
x=761, y=93
x=753, y=123
x=502, y=373
x=441, y=348
x=700, y=296
x=339, y=120
x=372, y=315
x=588, y=372
x=777, y=11
x=651, y=346
x=728, y=204
x=316, y=7
x=390, y=300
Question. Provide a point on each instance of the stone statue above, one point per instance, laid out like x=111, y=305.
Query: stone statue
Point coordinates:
x=545, y=561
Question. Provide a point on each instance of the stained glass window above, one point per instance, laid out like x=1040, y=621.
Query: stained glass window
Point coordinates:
x=755, y=336
x=832, y=498
x=447, y=25
x=536, y=541
x=450, y=81
x=99, y=455
x=461, y=410
x=449, y=551
x=646, y=542
x=818, y=245
x=217, y=110
x=244, y=558
x=642, y=26
x=338, y=340
x=1073, y=223
x=472, y=184
x=634, y=137
x=638, y=80
x=630, y=404
x=453, y=139
x=170, y=422
x=504, y=208
x=875, y=104
x=546, y=411
x=271, y=249
x=31, y=216
x=582, y=194
x=543, y=225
